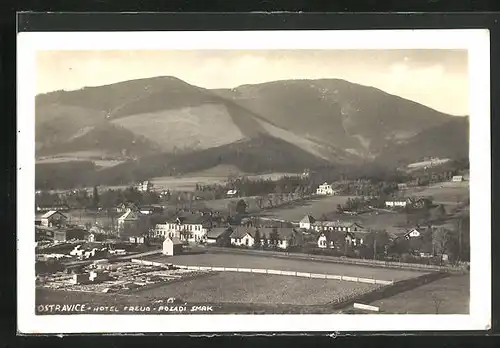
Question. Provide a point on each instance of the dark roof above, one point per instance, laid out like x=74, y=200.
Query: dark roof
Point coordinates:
x=193, y=219
x=283, y=232
x=332, y=235
x=308, y=219
x=337, y=224
x=241, y=231
x=174, y=240
x=50, y=213
x=217, y=232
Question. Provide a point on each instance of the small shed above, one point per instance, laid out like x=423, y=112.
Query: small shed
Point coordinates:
x=137, y=240
x=172, y=246
x=65, y=235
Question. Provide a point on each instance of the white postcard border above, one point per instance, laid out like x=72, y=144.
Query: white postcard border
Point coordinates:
x=476, y=41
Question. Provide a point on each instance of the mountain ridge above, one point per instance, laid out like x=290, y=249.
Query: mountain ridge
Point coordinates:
x=329, y=120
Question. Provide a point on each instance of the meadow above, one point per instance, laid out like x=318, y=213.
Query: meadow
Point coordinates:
x=284, y=264
x=448, y=193
x=315, y=207
x=449, y=295
x=258, y=289
x=214, y=176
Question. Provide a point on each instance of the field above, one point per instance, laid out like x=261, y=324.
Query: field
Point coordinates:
x=264, y=262
x=435, y=162
x=452, y=294
x=79, y=217
x=450, y=193
x=191, y=127
x=315, y=207
x=216, y=175
x=98, y=157
x=257, y=289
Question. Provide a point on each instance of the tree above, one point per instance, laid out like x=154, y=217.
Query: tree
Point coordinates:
x=95, y=198
x=270, y=201
x=441, y=239
x=257, y=238
x=241, y=207
x=259, y=201
x=273, y=236
x=437, y=302
x=376, y=241
x=339, y=209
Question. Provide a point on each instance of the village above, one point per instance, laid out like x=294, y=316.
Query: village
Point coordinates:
x=143, y=246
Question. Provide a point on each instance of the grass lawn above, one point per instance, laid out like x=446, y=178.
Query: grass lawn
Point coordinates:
x=257, y=289
x=264, y=262
x=315, y=207
x=443, y=193
x=452, y=293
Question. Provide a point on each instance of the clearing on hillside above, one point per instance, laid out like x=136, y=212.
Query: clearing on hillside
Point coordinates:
x=198, y=127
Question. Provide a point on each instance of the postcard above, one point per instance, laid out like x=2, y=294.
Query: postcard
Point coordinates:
x=253, y=181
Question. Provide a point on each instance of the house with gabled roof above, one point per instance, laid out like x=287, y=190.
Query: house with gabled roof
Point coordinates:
x=187, y=227
x=326, y=240
x=285, y=237
x=53, y=218
x=172, y=246
x=243, y=235
x=340, y=226
x=281, y=237
x=129, y=222
x=306, y=222
x=219, y=235
x=326, y=189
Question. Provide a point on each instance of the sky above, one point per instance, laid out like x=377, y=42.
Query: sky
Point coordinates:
x=435, y=78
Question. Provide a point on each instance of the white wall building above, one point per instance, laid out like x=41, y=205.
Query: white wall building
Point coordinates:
x=326, y=189
x=172, y=246
x=401, y=203
x=307, y=222
x=191, y=229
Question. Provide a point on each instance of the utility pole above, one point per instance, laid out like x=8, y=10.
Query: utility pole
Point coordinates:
x=375, y=247
x=460, y=239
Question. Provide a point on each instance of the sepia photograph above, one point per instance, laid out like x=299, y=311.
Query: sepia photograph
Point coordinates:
x=257, y=179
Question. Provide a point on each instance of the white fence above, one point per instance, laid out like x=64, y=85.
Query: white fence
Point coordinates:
x=272, y=271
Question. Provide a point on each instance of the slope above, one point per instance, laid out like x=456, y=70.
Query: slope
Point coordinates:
x=360, y=119
x=449, y=140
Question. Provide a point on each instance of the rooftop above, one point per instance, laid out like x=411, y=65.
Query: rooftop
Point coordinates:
x=308, y=219
x=217, y=232
x=50, y=213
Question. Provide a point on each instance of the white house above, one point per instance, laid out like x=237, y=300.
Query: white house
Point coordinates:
x=339, y=226
x=396, y=203
x=307, y=222
x=145, y=186
x=325, y=241
x=353, y=239
x=53, y=218
x=284, y=236
x=413, y=233
x=129, y=221
x=232, y=193
x=192, y=228
x=457, y=178
x=243, y=235
x=326, y=189
x=172, y=246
